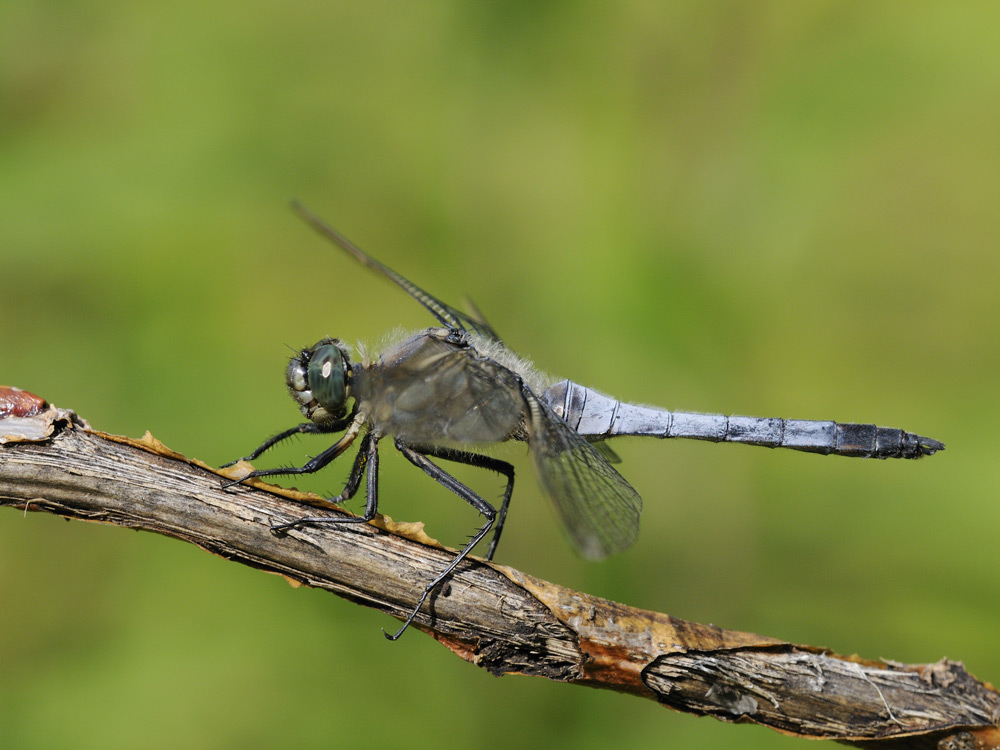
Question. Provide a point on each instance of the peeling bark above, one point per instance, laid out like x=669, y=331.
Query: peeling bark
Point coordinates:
x=496, y=617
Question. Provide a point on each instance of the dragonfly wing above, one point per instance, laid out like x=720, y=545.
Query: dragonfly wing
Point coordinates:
x=445, y=313
x=477, y=321
x=599, y=507
x=606, y=450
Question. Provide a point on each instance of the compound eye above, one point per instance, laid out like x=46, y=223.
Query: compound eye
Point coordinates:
x=327, y=379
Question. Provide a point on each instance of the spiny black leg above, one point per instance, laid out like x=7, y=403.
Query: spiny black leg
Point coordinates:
x=446, y=479
x=312, y=465
x=480, y=462
x=306, y=428
x=367, y=456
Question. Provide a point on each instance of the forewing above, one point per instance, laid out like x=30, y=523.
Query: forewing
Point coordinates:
x=445, y=313
x=599, y=507
x=429, y=389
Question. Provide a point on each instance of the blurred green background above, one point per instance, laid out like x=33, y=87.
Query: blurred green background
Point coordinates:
x=774, y=208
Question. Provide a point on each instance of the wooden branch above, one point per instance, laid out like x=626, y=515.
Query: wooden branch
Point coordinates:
x=496, y=617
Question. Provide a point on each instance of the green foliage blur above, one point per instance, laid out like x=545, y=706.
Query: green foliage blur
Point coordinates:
x=771, y=208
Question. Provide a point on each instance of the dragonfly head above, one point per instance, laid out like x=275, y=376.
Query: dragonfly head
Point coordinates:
x=319, y=379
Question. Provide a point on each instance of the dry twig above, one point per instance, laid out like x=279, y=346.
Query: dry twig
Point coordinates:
x=498, y=618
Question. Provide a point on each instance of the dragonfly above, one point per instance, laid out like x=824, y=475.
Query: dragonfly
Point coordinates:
x=445, y=392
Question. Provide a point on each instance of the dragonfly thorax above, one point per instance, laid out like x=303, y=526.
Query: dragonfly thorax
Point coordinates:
x=319, y=379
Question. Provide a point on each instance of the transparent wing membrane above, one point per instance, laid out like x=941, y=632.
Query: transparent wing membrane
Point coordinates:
x=445, y=313
x=598, y=506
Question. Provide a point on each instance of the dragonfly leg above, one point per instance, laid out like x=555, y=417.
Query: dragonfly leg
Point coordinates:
x=306, y=428
x=367, y=457
x=316, y=462
x=480, y=462
x=421, y=461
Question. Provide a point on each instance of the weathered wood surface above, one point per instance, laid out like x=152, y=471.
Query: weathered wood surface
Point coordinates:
x=498, y=618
